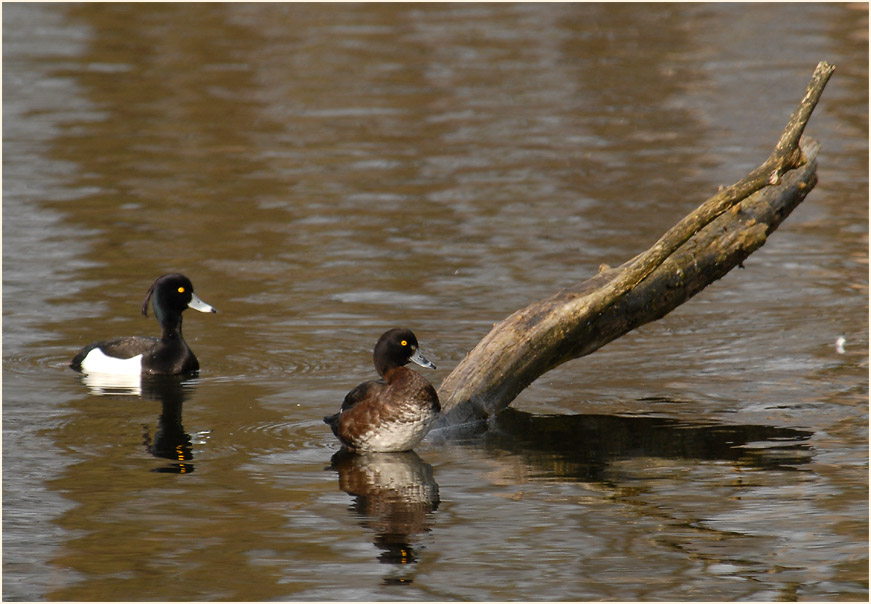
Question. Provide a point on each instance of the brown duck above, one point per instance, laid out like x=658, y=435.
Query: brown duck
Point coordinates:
x=395, y=412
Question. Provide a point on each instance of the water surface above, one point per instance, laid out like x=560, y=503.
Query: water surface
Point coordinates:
x=323, y=173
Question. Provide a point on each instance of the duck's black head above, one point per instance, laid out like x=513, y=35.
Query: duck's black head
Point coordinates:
x=395, y=348
x=172, y=294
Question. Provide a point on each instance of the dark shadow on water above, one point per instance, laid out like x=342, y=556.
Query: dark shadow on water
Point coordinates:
x=394, y=496
x=582, y=447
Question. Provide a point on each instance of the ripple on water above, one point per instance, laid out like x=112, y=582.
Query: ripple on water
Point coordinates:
x=277, y=357
x=42, y=359
x=298, y=449
x=280, y=434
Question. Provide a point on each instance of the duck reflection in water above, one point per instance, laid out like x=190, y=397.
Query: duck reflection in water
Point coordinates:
x=394, y=496
x=170, y=441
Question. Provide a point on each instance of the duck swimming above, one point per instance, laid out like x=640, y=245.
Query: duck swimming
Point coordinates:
x=395, y=412
x=134, y=355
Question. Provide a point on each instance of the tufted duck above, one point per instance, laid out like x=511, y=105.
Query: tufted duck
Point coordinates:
x=395, y=412
x=147, y=355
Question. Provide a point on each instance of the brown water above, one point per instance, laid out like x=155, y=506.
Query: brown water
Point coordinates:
x=324, y=172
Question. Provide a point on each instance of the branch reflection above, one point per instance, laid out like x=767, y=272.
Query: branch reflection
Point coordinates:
x=583, y=447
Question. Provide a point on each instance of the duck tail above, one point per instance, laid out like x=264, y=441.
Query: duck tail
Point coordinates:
x=333, y=422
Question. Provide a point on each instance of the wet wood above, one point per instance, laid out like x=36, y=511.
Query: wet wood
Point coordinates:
x=698, y=250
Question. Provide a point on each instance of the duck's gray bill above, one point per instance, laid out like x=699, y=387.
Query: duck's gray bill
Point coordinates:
x=421, y=360
x=199, y=305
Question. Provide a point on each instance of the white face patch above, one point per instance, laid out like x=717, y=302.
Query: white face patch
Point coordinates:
x=99, y=362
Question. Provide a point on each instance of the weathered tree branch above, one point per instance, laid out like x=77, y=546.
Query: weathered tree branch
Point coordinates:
x=694, y=253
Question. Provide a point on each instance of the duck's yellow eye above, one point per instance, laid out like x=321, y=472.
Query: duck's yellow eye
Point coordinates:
x=404, y=342
x=181, y=289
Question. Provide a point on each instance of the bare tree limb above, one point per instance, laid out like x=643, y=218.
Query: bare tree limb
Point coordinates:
x=698, y=250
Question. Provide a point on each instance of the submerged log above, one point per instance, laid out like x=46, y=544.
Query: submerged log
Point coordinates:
x=700, y=249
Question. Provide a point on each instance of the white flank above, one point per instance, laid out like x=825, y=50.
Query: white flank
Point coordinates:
x=99, y=362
